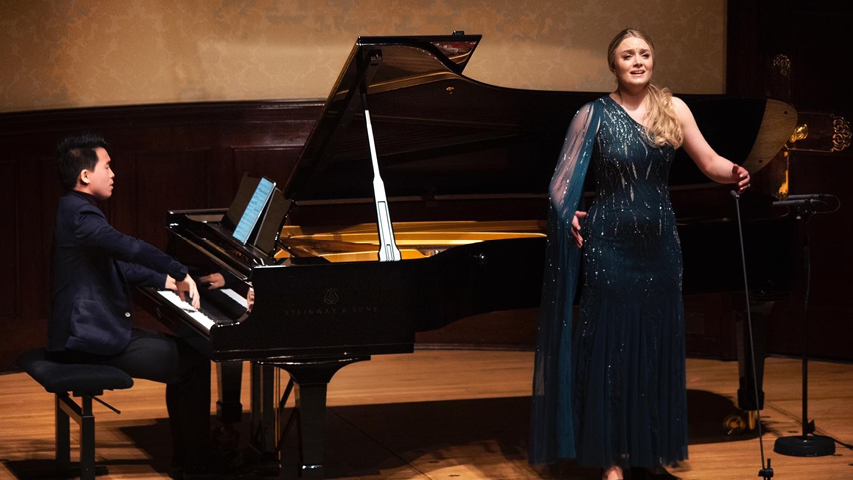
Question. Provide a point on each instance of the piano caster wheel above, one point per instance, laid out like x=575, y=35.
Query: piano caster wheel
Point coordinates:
x=738, y=423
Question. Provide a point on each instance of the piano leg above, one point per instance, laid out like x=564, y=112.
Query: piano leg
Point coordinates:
x=226, y=436
x=263, y=419
x=228, y=407
x=310, y=426
x=749, y=378
x=312, y=380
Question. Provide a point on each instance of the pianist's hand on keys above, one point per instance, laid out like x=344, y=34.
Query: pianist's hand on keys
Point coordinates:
x=186, y=288
x=192, y=312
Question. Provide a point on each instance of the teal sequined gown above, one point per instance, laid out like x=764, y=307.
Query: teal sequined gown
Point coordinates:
x=628, y=347
x=621, y=363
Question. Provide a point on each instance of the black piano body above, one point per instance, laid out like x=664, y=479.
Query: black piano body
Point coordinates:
x=307, y=308
x=466, y=166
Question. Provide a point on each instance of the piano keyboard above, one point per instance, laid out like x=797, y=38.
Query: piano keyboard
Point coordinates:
x=200, y=318
x=241, y=300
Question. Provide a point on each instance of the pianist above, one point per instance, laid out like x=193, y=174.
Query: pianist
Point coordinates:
x=93, y=265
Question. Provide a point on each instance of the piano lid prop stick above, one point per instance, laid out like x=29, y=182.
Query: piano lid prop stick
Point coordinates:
x=388, y=250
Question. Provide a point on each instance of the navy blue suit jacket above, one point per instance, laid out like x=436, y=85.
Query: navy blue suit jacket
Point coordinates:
x=93, y=264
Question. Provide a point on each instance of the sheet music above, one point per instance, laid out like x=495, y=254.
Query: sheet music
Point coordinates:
x=253, y=210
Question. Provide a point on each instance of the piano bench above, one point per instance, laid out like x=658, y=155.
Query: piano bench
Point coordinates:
x=86, y=382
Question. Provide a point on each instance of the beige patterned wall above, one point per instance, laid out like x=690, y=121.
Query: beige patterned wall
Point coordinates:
x=81, y=53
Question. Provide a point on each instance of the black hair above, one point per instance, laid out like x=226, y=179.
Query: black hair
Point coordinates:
x=75, y=154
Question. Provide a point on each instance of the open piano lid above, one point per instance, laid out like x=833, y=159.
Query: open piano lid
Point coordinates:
x=439, y=133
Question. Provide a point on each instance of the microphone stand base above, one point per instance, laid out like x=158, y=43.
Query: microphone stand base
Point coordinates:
x=805, y=446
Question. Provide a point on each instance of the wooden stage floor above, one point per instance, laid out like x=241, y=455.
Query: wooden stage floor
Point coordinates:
x=452, y=415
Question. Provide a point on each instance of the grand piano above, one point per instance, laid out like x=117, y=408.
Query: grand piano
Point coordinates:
x=462, y=170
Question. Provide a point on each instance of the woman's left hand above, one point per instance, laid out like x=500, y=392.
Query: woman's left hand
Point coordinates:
x=741, y=177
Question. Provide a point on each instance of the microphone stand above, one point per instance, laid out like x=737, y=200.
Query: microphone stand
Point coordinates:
x=808, y=444
x=766, y=471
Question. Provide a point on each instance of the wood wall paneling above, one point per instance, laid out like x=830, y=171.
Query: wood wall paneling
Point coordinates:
x=47, y=191
x=274, y=162
x=170, y=180
x=33, y=228
x=820, y=70
x=22, y=253
x=10, y=218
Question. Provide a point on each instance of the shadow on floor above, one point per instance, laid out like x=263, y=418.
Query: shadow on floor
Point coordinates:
x=367, y=440
x=44, y=469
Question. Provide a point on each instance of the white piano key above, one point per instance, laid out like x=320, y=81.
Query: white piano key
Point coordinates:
x=196, y=315
x=236, y=297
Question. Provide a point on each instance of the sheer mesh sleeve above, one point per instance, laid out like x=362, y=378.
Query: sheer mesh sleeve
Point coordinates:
x=551, y=426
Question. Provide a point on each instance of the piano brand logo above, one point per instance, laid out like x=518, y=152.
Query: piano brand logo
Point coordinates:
x=307, y=312
x=331, y=297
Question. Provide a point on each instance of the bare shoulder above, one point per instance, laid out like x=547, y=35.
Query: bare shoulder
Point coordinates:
x=682, y=111
x=679, y=105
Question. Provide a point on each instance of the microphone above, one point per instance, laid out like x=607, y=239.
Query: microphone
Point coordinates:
x=809, y=196
x=793, y=203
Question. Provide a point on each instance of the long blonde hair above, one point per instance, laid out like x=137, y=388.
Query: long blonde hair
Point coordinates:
x=663, y=125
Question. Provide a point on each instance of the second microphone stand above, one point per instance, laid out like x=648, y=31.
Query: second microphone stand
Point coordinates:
x=808, y=444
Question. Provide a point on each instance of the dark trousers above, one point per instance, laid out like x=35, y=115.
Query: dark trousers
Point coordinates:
x=186, y=373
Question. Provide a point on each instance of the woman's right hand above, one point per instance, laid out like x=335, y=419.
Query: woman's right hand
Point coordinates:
x=576, y=228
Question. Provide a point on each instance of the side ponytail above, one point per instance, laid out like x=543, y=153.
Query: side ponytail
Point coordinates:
x=663, y=125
